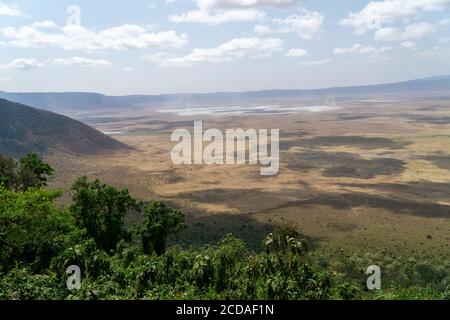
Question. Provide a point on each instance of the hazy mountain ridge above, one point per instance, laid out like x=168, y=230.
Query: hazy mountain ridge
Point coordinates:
x=24, y=129
x=83, y=101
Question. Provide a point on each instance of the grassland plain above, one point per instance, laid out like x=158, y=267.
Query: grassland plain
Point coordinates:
x=368, y=183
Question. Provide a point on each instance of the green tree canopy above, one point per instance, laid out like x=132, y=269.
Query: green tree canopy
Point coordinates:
x=159, y=222
x=101, y=210
x=7, y=172
x=32, y=229
x=33, y=172
x=30, y=172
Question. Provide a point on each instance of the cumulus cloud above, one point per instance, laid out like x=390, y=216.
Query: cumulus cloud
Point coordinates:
x=412, y=31
x=76, y=37
x=410, y=45
x=229, y=51
x=226, y=4
x=263, y=29
x=218, y=17
x=435, y=52
x=296, y=53
x=378, y=13
x=82, y=62
x=24, y=64
x=361, y=49
x=215, y=12
x=46, y=24
x=371, y=52
x=315, y=62
x=32, y=63
x=9, y=11
x=307, y=24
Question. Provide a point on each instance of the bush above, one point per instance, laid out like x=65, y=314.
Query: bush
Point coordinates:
x=32, y=230
x=39, y=241
x=160, y=221
x=101, y=209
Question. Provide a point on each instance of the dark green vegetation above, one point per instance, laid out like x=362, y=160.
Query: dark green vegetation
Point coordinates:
x=23, y=128
x=30, y=172
x=39, y=241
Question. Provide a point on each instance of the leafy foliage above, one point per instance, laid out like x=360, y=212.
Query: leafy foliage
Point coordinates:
x=38, y=241
x=30, y=172
x=33, y=172
x=32, y=230
x=159, y=222
x=101, y=210
x=7, y=172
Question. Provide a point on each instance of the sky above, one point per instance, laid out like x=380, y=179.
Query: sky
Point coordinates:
x=119, y=47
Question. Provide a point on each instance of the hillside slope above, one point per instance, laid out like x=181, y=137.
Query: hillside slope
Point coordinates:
x=24, y=129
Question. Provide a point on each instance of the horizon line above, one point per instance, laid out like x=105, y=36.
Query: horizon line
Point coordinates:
x=437, y=77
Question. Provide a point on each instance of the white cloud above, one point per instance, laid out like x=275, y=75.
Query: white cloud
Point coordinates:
x=76, y=37
x=82, y=62
x=307, y=25
x=296, y=53
x=218, y=17
x=226, y=4
x=46, y=24
x=412, y=31
x=215, y=12
x=361, y=49
x=444, y=22
x=315, y=62
x=127, y=69
x=436, y=52
x=263, y=29
x=229, y=51
x=24, y=64
x=378, y=13
x=410, y=45
x=9, y=11
x=32, y=63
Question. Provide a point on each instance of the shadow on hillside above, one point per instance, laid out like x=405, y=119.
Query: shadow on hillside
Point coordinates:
x=428, y=191
x=344, y=164
x=439, y=160
x=438, y=120
x=269, y=202
x=361, y=142
x=346, y=201
x=208, y=229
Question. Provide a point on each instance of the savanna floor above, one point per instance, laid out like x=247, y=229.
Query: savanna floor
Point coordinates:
x=368, y=183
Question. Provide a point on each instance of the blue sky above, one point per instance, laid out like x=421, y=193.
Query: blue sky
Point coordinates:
x=170, y=46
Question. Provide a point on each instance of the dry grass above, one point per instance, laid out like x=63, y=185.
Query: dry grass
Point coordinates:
x=404, y=209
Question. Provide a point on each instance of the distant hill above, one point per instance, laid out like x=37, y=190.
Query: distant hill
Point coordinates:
x=73, y=101
x=24, y=129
